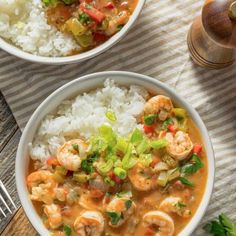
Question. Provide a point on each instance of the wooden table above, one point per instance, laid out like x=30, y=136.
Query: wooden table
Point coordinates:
x=16, y=224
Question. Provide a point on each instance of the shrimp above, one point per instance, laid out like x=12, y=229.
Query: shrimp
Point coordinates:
x=42, y=185
x=89, y=223
x=160, y=105
x=70, y=154
x=180, y=145
x=141, y=177
x=117, y=21
x=160, y=222
x=174, y=205
x=123, y=206
x=53, y=212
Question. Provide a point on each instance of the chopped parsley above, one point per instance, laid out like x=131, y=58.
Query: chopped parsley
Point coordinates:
x=75, y=146
x=150, y=119
x=84, y=18
x=87, y=164
x=119, y=27
x=186, y=182
x=67, y=230
x=128, y=204
x=180, y=205
x=115, y=217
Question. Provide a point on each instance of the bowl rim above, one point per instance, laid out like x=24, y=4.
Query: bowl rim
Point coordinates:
x=189, y=228
x=18, y=52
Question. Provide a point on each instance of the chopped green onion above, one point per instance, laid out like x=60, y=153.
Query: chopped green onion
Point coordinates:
x=121, y=145
x=80, y=177
x=109, y=181
x=128, y=160
x=115, y=217
x=111, y=116
x=118, y=163
x=180, y=112
x=145, y=159
x=121, y=173
x=128, y=204
x=186, y=182
x=143, y=147
x=183, y=124
x=67, y=230
x=150, y=119
x=137, y=136
x=50, y=2
x=158, y=144
x=103, y=168
x=107, y=133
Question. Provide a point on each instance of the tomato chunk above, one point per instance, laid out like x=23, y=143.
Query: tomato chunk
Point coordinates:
x=149, y=128
x=92, y=12
x=110, y=5
x=197, y=148
x=99, y=37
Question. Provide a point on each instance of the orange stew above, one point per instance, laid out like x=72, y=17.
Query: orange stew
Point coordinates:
x=151, y=181
x=90, y=22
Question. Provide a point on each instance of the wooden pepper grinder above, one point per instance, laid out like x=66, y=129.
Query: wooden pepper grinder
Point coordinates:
x=212, y=36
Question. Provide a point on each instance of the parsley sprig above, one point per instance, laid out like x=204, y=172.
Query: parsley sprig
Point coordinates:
x=223, y=226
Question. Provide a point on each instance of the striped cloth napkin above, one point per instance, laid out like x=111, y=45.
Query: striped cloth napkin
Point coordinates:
x=156, y=46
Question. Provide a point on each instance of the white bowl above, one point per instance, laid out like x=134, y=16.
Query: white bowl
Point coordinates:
x=85, y=84
x=8, y=47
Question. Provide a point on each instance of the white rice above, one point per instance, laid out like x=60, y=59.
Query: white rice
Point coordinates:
x=23, y=22
x=83, y=116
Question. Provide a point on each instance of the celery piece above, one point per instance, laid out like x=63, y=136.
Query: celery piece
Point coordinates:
x=61, y=170
x=58, y=177
x=136, y=136
x=75, y=27
x=162, y=179
x=85, y=40
x=180, y=112
x=158, y=144
x=109, y=181
x=171, y=162
x=80, y=177
x=121, y=173
x=173, y=174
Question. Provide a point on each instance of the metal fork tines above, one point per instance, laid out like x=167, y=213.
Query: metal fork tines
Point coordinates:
x=6, y=202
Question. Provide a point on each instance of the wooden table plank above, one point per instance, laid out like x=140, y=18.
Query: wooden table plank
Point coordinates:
x=16, y=224
x=19, y=225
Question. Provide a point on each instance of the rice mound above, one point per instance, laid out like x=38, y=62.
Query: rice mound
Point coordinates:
x=23, y=22
x=83, y=116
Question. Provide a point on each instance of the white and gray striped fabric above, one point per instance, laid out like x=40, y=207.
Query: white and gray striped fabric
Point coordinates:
x=156, y=46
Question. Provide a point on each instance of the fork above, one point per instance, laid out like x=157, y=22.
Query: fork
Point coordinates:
x=5, y=198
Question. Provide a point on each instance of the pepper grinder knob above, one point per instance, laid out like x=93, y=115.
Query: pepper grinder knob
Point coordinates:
x=212, y=36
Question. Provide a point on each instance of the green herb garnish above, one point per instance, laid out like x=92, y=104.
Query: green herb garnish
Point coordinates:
x=84, y=18
x=167, y=122
x=87, y=164
x=180, y=205
x=186, y=182
x=67, y=230
x=115, y=217
x=150, y=119
x=137, y=136
x=222, y=226
x=128, y=204
x=193, y=165
x=119, y=27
